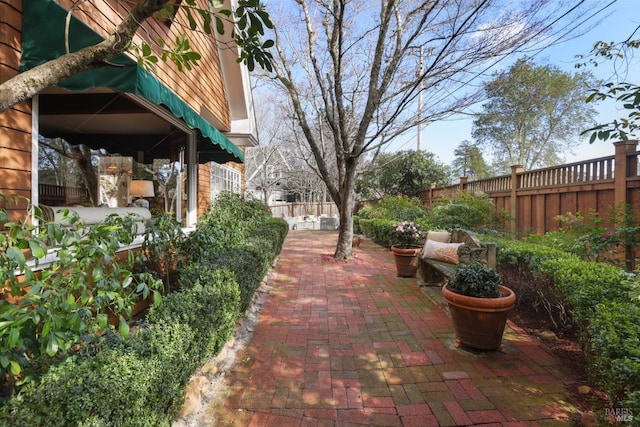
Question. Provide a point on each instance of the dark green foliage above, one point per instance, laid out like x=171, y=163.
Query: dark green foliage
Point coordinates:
x=378, y=220
x=471, y=212
x=615, y=339
x=405, y=172
x=382, y=231
x=140, y=381
x=213, y=302
x=476, y=280
x=61, y=305
x=589, y=238
x=601, y=300
x=231, y=218
x=396, y=208
x=119, y=386
x=521, y=266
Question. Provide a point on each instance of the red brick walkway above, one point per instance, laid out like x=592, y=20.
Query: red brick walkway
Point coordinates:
x=349, y=343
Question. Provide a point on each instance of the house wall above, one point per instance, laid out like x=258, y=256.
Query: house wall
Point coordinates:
x=204, y=188
x=15, y=124
x=204, y=183
x=204, y=93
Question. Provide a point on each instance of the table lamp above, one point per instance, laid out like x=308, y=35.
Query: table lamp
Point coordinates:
x=140, y=189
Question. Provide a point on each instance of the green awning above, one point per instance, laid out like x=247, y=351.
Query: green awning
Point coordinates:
x=43, y=40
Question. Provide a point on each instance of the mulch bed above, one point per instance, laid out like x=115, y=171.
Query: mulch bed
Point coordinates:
x=567, y=349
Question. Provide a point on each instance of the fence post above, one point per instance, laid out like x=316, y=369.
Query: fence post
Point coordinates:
x=622, y=169
x=431, y=190
x=625, y=166
x=513, y=205
x=463, y=182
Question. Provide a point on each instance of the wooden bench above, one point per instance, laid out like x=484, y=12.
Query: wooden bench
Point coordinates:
x=433, y=272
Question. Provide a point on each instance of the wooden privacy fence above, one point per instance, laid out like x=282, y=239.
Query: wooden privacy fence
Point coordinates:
x=56, y=195
x=302, y=209
x=534, y=198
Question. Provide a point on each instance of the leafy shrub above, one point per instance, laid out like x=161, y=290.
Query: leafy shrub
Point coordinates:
x=382, y=231
x=163, y=239
x=521, y=266
x=53, y=309
x=615, y=342
x=476, y=280
x=119, y=386
x=140, y=380
x=209, y=307
x=587, y=284
x=246, y=266
x=600, y=300
x=395, y=208
x=467, y=211
x=231, y=218
x=588, y=237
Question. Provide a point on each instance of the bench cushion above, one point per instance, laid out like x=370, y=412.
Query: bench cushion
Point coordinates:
x=447, y=252
x=439, y=236
x=95, y=215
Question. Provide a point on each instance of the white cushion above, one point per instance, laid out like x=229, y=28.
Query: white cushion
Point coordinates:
x=442, y=236
x=98, y=215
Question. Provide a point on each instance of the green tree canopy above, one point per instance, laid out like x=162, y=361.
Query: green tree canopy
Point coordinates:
x=404, y=172
x=533, y=114
x=469, y=161
x=623, y=91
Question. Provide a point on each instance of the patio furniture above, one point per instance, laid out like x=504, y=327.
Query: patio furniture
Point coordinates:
x=444, y=251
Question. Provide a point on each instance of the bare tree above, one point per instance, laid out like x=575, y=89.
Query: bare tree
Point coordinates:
x=266, y=165
x=348, y=69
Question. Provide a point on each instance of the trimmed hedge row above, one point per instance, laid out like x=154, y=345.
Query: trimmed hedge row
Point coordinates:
x=599, y=299
x=381, y=231
x=140, y=381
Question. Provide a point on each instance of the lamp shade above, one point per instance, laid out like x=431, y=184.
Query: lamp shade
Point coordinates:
x=141, y=188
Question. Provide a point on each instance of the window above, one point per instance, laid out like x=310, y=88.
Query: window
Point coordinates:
x=71, y=175
x=224, y=178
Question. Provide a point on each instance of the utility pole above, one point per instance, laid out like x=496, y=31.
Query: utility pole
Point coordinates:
x=420, y=102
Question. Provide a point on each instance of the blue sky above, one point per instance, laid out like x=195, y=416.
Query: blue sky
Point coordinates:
x=443, y=137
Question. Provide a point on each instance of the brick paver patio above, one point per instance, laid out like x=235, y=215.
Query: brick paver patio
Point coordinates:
x=350, y=343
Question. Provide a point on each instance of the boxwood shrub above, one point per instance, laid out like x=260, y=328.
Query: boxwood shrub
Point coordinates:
x=600, y=300
x=119, y=386
x=614, y=337
x=139, y=381
x=381, y=231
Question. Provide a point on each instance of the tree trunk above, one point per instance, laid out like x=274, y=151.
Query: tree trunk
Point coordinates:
x=344, y=247
x=82, y=155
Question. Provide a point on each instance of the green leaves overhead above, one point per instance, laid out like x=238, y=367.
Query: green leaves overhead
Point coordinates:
x=622, y=93
x=249, y=21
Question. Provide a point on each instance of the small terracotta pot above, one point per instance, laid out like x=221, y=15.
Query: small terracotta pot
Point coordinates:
x=406, y=260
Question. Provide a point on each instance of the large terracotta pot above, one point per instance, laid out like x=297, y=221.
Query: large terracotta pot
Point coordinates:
x=406, y=260
x=479, y=322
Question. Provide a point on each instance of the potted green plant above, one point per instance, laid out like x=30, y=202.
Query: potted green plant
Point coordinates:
x=479, y=305
x=408, y=236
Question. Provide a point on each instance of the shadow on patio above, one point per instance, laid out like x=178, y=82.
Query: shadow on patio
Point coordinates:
x=348, y=343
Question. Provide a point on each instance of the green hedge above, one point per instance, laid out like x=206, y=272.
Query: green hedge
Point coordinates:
x=139, y=381
x=598, y=299
x=381, y=231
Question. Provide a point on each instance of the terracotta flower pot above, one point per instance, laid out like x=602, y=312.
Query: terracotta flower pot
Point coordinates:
x=406, y=261
x=479, y=322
